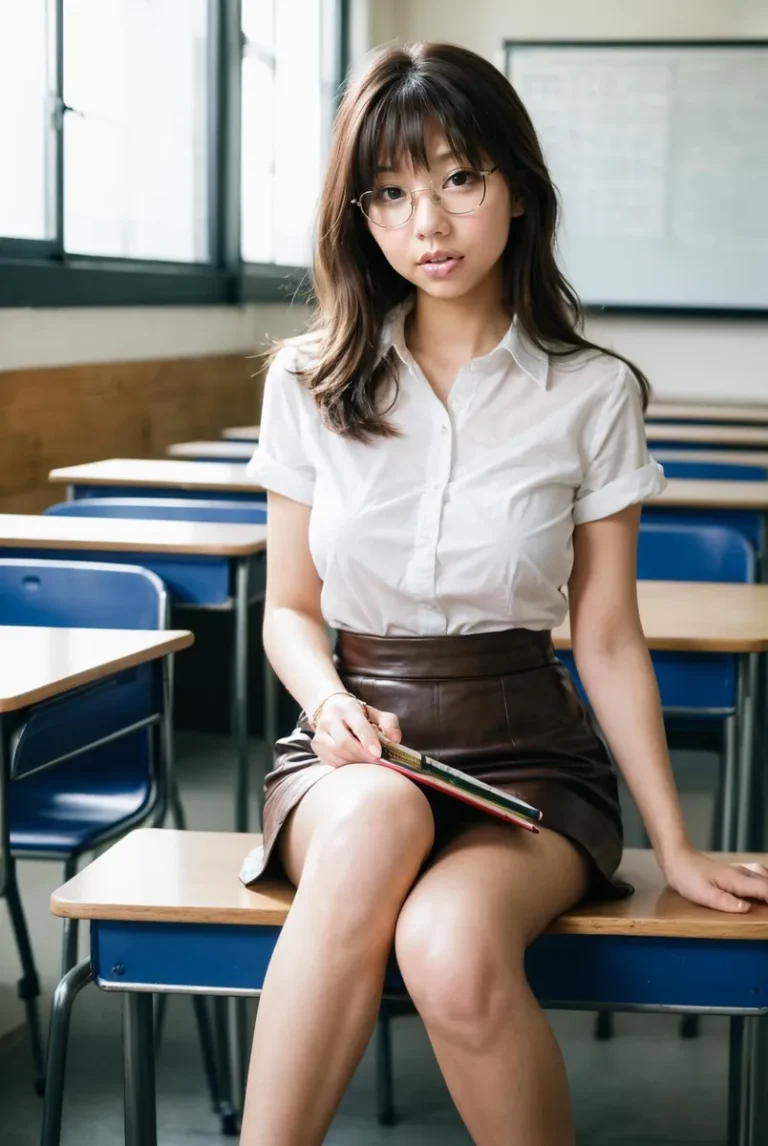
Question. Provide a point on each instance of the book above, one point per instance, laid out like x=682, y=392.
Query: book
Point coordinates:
x=434, y=774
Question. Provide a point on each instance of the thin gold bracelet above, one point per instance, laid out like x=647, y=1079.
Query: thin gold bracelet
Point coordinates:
x=318, y=710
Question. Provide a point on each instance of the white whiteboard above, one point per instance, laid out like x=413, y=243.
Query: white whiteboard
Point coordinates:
x=660, y=155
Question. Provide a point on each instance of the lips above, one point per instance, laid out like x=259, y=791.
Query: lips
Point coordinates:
x=438, y=257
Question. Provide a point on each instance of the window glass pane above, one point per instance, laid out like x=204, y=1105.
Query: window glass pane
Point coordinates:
x=135, y=178
x=287, y=104
x=26, y=106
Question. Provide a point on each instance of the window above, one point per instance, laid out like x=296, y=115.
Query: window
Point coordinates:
x=27, y=138
x=135, y=129
x=135, y=138
x=289, y=84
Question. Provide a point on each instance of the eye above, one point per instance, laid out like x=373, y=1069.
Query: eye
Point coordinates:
x=386, y=195
x=462, y=180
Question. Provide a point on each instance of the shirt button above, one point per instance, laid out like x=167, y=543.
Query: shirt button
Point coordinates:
x=443, y=429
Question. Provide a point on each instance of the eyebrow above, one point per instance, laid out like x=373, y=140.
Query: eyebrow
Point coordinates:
x=435, y=159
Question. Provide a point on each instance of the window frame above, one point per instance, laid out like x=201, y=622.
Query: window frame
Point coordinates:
x=40, y=273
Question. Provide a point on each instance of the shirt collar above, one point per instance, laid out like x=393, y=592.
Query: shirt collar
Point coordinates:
x=533, y=361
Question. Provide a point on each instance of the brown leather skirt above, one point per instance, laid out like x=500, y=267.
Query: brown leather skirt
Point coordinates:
x=498, y=706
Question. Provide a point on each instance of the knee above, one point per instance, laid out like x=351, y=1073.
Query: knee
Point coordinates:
x=369, y=851
x=466, y=986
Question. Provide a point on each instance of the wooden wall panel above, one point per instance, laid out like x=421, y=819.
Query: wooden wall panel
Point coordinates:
x=60, y=416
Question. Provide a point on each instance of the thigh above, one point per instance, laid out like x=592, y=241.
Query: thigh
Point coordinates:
x=497, y=884
x=378, y=807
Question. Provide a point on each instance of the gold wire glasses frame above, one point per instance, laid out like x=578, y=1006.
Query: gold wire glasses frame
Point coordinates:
x=366, y=202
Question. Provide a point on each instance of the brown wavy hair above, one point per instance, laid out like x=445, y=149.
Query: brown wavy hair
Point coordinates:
x=386, y=111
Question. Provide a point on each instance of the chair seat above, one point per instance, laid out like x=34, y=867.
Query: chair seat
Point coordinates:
x=68, y=808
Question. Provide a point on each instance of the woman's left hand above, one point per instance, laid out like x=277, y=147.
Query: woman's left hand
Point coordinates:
x=713, y=883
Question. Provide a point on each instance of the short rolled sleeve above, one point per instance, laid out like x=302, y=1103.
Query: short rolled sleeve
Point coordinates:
x=281, y=462
x=619, y=470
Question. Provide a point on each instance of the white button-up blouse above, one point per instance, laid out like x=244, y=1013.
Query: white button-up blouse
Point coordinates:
x=464, y=524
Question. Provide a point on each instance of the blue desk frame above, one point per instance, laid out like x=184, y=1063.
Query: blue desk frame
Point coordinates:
x=601, y=972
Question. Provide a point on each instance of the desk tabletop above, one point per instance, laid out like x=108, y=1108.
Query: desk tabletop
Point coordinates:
x=37, y=662
x=232, y=451
x=168, y=876
x=224, y=477
x=756, y=412
x=757, y=458
x=687, y=616
x=249, y=433
x=131, y=535
x=693, y=493
x=719, y=435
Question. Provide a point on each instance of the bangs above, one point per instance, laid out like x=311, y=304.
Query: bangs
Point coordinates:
x=394, y=130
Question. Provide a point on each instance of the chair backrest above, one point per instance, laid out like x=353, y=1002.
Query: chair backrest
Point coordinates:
x=714, y=471
x=164, y=509
x=81, y=594
x=681, y=551
x=687, y=551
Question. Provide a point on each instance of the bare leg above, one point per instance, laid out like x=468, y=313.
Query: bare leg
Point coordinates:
x=461, y=939
x=354, y=846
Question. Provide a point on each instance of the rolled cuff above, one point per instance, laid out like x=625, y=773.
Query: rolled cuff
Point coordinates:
x=280, y=479
x=626, y=490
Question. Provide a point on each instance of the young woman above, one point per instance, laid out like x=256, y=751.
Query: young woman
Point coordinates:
x=444, y=455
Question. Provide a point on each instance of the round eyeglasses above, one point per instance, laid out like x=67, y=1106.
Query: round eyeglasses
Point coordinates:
x=461, y=192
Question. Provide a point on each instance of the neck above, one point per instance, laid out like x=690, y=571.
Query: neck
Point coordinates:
x=460, y=328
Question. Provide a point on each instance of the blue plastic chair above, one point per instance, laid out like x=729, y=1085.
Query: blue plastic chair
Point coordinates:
x=694, y=687
x=715, y=471
x=61, y=812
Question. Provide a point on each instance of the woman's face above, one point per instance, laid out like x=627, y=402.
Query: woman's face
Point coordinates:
x=473, y=242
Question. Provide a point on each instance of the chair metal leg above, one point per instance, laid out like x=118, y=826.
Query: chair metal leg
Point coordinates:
x=58, y=1040
x=207, y=1050
x=160, y=1010
x=239, y=704
x=604, y=1026
x=228, y=1110
x=385, y=1089
x=139, y=1070
x=29, y=984
x=756, y=1067
x=730, y=774
x=736, y=1088
x=70, y=928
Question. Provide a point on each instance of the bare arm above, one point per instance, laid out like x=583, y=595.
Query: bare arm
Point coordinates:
x=615, y=667
x=297, y=644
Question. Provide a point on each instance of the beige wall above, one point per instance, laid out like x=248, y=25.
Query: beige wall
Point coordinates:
x=704, y=357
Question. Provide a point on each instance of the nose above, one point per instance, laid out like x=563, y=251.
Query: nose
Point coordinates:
x=429, y=218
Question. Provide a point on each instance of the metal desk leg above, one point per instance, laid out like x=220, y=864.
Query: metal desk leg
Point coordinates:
x=139, y=1070
x=736, y=1082
x=730, y=782
x=240, y=699
x=58, y=1039
x=748, y=745
x=756, y=1068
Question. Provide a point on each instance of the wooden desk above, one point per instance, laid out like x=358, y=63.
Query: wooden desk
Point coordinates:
x=168, y=914
x=131, y=535
x=213, y=565
x=699, y=617
x=37, y=663
x=715, y=457
x=746, y=413
x=143, y=476
x=691, y=493
x=242, y=433
x=238, y=452
x=168, y=876
x=746, y=437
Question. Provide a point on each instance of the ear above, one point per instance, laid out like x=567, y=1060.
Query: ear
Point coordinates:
x=518, y=208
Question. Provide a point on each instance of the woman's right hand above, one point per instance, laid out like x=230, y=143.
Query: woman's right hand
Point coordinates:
x=344, y=736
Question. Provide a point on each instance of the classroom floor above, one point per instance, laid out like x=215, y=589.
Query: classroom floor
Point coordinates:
x=645, y=1088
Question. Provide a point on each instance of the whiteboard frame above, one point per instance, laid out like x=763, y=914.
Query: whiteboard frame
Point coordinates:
x=656, y=309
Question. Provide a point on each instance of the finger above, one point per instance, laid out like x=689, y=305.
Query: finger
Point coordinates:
x=722, y=900
x=752, y=869
x=336, y=746
x=747, y=884
x=364, y=732
x=387, y=722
